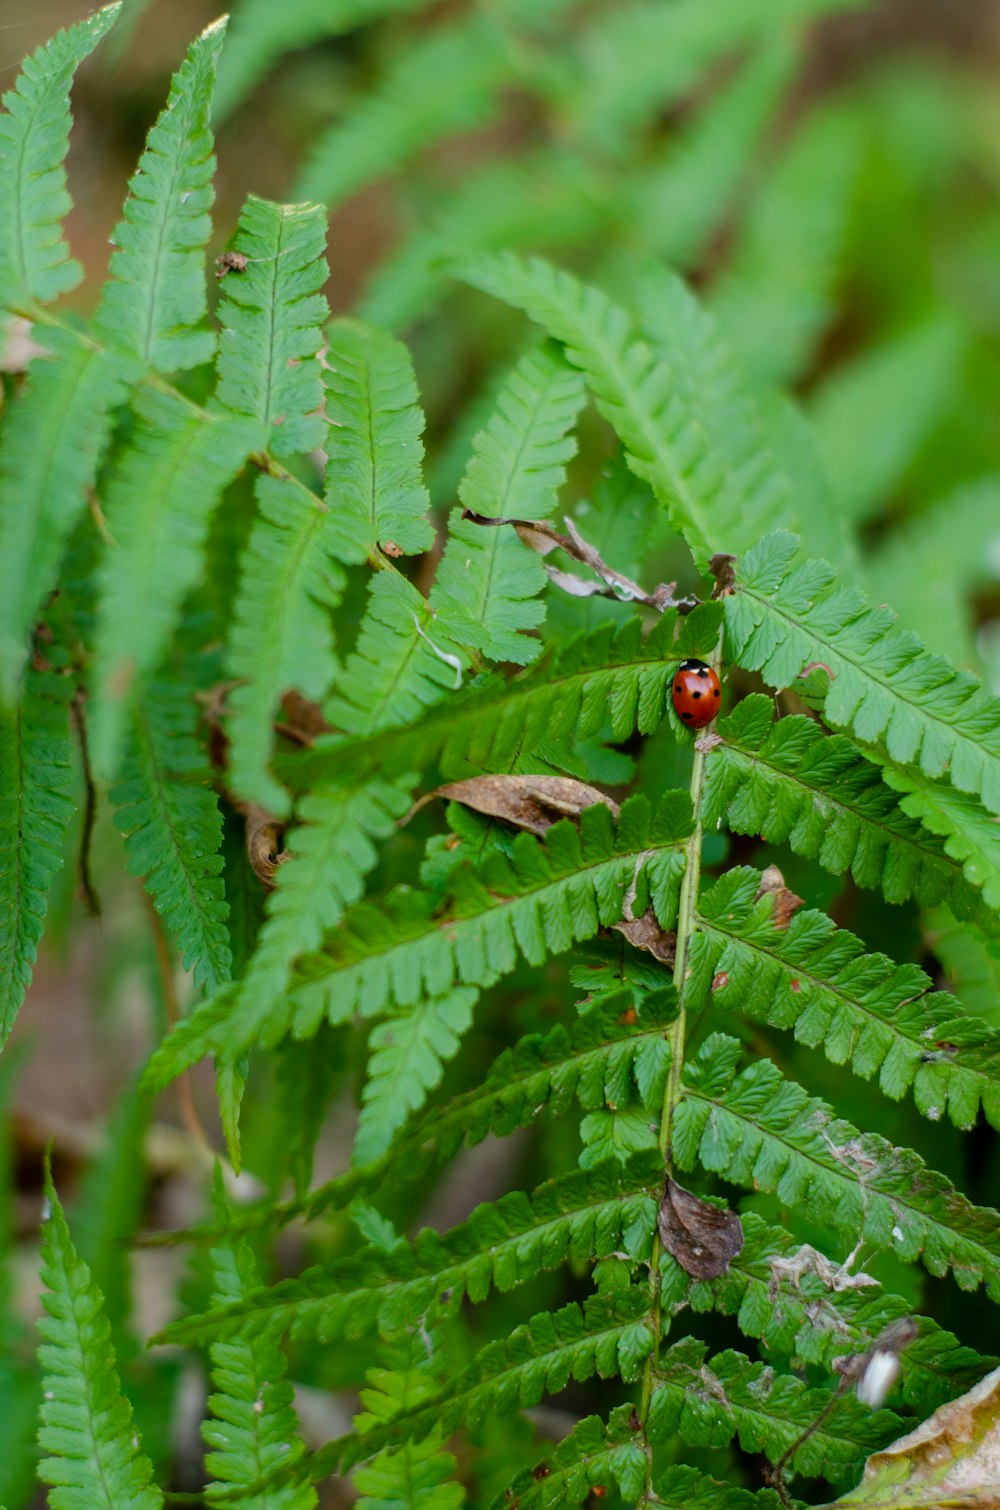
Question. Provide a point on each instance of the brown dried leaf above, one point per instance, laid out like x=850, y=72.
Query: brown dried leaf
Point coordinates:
x=646, y=933
x=723, y=569
x=951, y=1459
x=785, y=901
x=533, y=803
x=702, y=1238
x=265, y=850
x=231, y=262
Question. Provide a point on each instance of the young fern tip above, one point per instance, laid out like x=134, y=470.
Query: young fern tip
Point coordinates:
x=495, y=727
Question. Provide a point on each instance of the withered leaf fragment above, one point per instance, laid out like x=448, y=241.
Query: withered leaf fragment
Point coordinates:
x=785, y=901
x=646, y=933
x=532, y=803
x=703, y=1238
x=231, y=262
x=265, y=844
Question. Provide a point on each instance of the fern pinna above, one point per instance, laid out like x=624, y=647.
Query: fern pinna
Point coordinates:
x=229, y=606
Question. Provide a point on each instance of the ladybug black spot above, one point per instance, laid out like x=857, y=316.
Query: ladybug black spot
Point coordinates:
x=687, y=717
x=694, y=693
x=716, y=693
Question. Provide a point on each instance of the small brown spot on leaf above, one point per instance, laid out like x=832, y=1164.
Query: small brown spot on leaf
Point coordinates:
x=703, y=1238
x=785, y=902
x=230, y=262
x=720, y=981
x=628, y=1017
x=390, y=548
x=794, y=985
x=540, y=1471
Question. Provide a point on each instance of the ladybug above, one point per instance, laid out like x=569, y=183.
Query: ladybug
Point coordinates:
x=696, y=693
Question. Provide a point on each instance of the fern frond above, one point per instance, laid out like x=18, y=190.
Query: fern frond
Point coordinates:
x=792, y=784
x=762, y=1130
x=170, y=818
x=374, y=487
x=53, y=439
x=776, y=294
x=35, y=261
x=443, y=83
x=861, y=1009
x=503, y=1245
x=970, y=834
x=159, y=502
x=408, y=1053
x=637, y=391
x=708, y=1402
x=415, y=1476
x=35, y=809
x=281, y=636
x=487, y=580
x=86, y=1425
x=784, y=619
x=796, y=1313
x=593, y=1453
x=621, y=521
x=154, y=305
x=253, y=1429
x=272, y=315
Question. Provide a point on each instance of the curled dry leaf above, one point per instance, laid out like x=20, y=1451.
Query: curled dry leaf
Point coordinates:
x=265, y=849
x=723, y=569
x=646, y=933
x=703, y=1238
x=532, y=803
x=785, y=901
x=951, y=1459
x=231, y=262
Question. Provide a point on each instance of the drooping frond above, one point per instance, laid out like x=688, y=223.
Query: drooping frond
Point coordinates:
x=35, y=809
x=159, y=502
x=764, y=1131
x=487, y=580
x=638, y=392
x=777, y=292
x=443, y=83
x=418, y=1475
x=971, y=835
x=253, y=1429
x=792, y=784
x=593, y=1213
x=154, y=305
x=780, y=1293
x=861, y=1009
x=95, y=1461
x=783, y=620
x=272, y=314
x=281, y=635
x=53, y=440
x=35, y=261
x=374, y=486
x=263, y=33
x=709, y=1401
x=173, y=829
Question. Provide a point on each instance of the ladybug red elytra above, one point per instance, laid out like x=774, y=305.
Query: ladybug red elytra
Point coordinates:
x=696, y=693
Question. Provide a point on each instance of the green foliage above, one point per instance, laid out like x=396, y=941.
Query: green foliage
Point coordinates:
x=416, y=1474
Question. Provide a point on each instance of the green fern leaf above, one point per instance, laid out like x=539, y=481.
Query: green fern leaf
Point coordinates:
x=415, y=1476
x=593, y=1213
x=792, y=784
x=638, y=393
x=154, y=305
x=374, y=488
x=707, y=1402
x=272, y=315
x=593, y=1453
x=159, y=501
x=35, y=809
x=971, y=835
x=173, y=829
x=777, y=1294
x=281, y=635
x=783, y=620
x=253, y=1429
x=86, y=1420
x=35, y=262
x=762, y=1130
x=53, y=440
x=486, y=579
x=444, y=83
x=408, y=1053
x=861, y=1009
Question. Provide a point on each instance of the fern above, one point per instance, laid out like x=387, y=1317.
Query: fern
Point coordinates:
x=486, y=580
x=35, y=809
x=153, y=308
x=862, y=1009
x=417, y=1474
x=35, y=262
x=882, y=685
x=86, y=1421
x=970, y=834
x=173, y=829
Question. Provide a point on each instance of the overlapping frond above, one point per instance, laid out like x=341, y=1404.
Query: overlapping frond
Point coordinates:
x=155, y=303
x=35, y=261
x=417, y=1475
x=487, y=580
x=971, y=835
x=272, y=313
x=784, y=620
x=762, y=1130
x=35, y=809
x=95, y=1462
x=170, y=818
